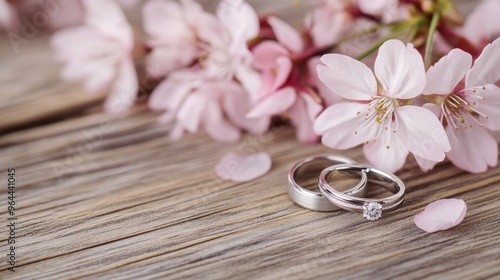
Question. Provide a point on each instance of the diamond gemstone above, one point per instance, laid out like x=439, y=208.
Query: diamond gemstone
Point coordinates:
x=372, y=211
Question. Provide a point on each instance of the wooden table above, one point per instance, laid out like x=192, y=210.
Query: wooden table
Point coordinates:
x=104, y=198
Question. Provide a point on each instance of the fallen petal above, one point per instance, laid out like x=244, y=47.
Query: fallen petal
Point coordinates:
x=441, y=215
x=243, y=168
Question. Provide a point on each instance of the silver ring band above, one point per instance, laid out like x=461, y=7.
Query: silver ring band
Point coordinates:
x=371, y=208
x=310, y=168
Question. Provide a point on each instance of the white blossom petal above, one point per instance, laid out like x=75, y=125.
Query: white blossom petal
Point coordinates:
x=421, y=132
x=108, y=18
x=124, y=90
x=239, y=18
x=338, y=114
x=274, y=104
x=473, y=149
x=400, y=70
x=425, y=164
x=286, y=34
x=388, y=152
x=192, y=111
x=302, y=114
x=214, y=122
x=489, y=106
x=341, y=125
x=243, y=168
x=347, y=77
x=441, y=215
x=485, y=69
x=444, y=76
x=236, y=102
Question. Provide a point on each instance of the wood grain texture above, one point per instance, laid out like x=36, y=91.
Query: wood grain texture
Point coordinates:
x=115, y=198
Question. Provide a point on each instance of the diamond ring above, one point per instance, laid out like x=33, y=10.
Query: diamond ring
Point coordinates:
x=309, y=168
x=371, y=208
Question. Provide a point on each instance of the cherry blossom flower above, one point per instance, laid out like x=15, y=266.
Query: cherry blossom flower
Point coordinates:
x=378, y=111
x=479, y=29
x=183, y=34
x=333, y=20
x=100, y=53
x=282, y=90
x=469, y=103
x=228, y=56
x=176, y=31
x=197, y=103
x=386, y=10
x=215, y=94
x=482, y=24
x=377, y=7
x=371, y=7
x=326, y=25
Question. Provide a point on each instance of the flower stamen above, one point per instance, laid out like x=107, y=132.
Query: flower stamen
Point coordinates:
x=379, y=112
x=458, y=111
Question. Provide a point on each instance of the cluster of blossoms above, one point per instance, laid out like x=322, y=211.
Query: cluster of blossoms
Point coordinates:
x=235, y=71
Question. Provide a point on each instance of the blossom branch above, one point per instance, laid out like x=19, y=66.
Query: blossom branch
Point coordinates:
x=430, y=38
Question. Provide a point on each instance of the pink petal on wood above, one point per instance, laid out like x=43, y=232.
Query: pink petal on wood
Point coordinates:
x=441, y=215
x=243, y=168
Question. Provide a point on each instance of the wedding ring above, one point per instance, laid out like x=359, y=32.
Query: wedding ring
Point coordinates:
x=371, y=208
x=310, y=168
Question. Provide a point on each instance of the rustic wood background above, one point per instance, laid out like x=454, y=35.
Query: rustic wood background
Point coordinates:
x=114, y=198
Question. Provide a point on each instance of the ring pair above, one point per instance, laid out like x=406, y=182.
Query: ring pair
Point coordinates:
x=329, y=198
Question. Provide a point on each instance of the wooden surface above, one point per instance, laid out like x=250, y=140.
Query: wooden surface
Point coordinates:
x=103, y=198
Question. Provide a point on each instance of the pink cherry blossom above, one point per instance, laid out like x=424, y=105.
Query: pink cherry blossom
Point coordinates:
x=376, y=7
x=480, y=28
x=441, y=214
x=333, y=20
x=327, y=25
x=329, y=98
x=469, y=106
x=387, y=10
x=100, y=54
x=228, y=56
x=196, y=103
x=377, y=110
x=243, y=168
x=184, y=33
x=215, y=94
x=282, y=90
x=176, y=31
x=482, y=24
